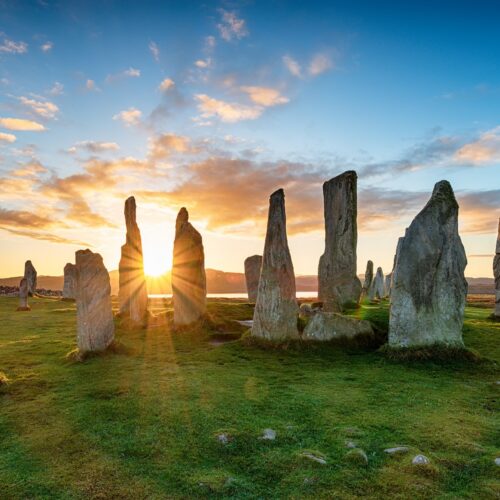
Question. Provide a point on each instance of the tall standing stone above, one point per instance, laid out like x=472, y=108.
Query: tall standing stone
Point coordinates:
x=338, y=282
x=23, y=296
x=252, y=275
x=387, y=285
x=429, y=287
x=396, y=255
x=367, y=282
x=276, y=310
x=31, y=277
x=189, y=283
x=69, y=287
x=133, y=293
x=95, y=327
x=496, y=274
x=377, y=290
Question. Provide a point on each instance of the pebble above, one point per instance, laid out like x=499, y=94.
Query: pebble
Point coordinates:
x=269, y=435
x=315, y=458
x=420, y=460
x=397, y=449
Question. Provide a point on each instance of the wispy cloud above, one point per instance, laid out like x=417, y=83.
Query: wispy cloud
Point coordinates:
x=155, y=50
x=57, y=89
x=129, y=117
x=128, y=73
x=11, y=47
x=44, y=109
x=21, y=124
x=486, y=149
x=319, y=64
x=47, y=46
x=164, y=145
x=265, y=96
x=10, y=138
x=91, y=86
x=166, y=84
x=226, y=111
x=293, y=66
x=231, y=26
x=94, y=147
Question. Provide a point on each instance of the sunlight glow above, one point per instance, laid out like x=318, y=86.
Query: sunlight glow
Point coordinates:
x=157, y=260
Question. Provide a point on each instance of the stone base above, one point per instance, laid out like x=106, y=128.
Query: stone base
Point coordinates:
x=24, y=308
x=325, y=326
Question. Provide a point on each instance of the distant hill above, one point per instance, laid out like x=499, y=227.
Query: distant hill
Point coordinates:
x=222, y=282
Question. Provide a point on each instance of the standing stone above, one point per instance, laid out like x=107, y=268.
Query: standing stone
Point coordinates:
x=23, y=296
x=252, y=275
x=496, y=274
x=377, y=290
x=325, y=326
x=367, y=283
x=133, y=293
x=69, y=288
x=189, y=284
x=387, y=285
x=338, y=282
x=95, y=327
x=276, y=310
x=429, y=287
x=30, y=276
x=396, y=255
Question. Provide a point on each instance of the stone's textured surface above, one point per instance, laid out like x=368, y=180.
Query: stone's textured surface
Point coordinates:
x=23, y=296
x=69, y=288
x=95, y=327
x=269, y=435
x=189, y=283
x=324, y=326
x=133, y=293
x=496, y=273
x=377, y=290
x=387, y=285
x=276, y=310
x=367, y=283
x=30, y=276
x=337, y=279
x=429, y=287
x=397, y=450
x=252, y=275
x=420, y=460
x=314, y=457
x=398, y=248
x=306, y=310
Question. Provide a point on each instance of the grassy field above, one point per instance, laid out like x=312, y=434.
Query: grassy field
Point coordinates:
x=143, y=422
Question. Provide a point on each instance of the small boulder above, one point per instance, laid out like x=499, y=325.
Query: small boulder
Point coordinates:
x=397, y=450
x=325, y=326
x=420, y=460
x=268, y=435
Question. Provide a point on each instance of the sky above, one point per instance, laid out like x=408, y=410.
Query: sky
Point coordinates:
x=215, y=105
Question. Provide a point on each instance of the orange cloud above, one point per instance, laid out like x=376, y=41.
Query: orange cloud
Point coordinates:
x=226, y=111
x=486, y=149
x=21, y=124
x=265, y=96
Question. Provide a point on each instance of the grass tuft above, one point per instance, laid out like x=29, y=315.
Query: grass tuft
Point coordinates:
x=433, y=353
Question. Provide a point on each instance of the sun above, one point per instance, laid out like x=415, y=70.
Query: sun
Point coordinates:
x=157, y=260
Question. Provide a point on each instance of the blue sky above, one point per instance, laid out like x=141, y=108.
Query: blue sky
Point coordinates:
x=213, y=105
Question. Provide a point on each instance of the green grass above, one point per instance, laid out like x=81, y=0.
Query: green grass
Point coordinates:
x=143, y=421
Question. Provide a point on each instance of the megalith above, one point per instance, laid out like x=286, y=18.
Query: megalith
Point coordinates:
x=133, y=293
x=31, y=277
x=396, y=254
x=189, y=284
x=337, y=279
x=367, y=282
x=95, y=327
x=325, y=326
x=69, y=287
x=429, y=287
x=23, y=296
x=252, y=275
x=276, y=310
x=496, y=274
x=377, y=290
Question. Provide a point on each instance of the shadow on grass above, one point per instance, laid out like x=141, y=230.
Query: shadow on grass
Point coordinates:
x=77, y=356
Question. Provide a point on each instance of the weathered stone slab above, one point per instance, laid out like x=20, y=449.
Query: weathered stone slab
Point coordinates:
x=69, y=287
x=324, y=326
x=252, y=275
x=377, y=289
x=367, y=282
x=31, y=277
x=189, y=285
x=276, y=310
x=496, y=273
x=23, y=296
x=133, y=293
x=95, y=327
x=337, y=279
x=429, y=287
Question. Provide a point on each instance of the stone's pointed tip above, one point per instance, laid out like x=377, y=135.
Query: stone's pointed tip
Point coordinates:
x=279, y=193
x=347, y=173
x=130, y=199
x=183, y=215
x=443, y=189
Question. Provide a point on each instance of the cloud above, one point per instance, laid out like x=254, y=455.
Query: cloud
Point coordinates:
x=226, y=111
x=21, y=124
x=479, y=210
x=231, y=27
x=162, y=146
x=128, y=73
x=203, y=63
x=293, y=66
x=94, y=147
x=36, y=235
x=47, y=46
x=57, y=89
x=486, y=149
x=91, y=86
x=319, y=64
x=265, y=96
x=7, y=137
x=130, y=117
x=11, y=47
x=209, y=43
x=45, y=109
x=166, y=84
x=155, y=51
x=19, y=218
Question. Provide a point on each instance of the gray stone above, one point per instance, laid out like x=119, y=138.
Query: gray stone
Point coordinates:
x=313, y=457
x=306, y=310
x=420, y=460
x=189, y=283
x=252, y=275
x=95, y=327
x=133, y=293
x=496, y=273
x=337, y=279
x=224, y=438
x=269, y=435
x=398, y=248
x=31, y=277
x=324, y=326
x=350, y=445
x=276, y=311
x=367, y=283
x=377, y=289
x=23, y=296
x=69, y=287
x=497, y=461
x=429, y=287
x=397, y=450
x=387, y=285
